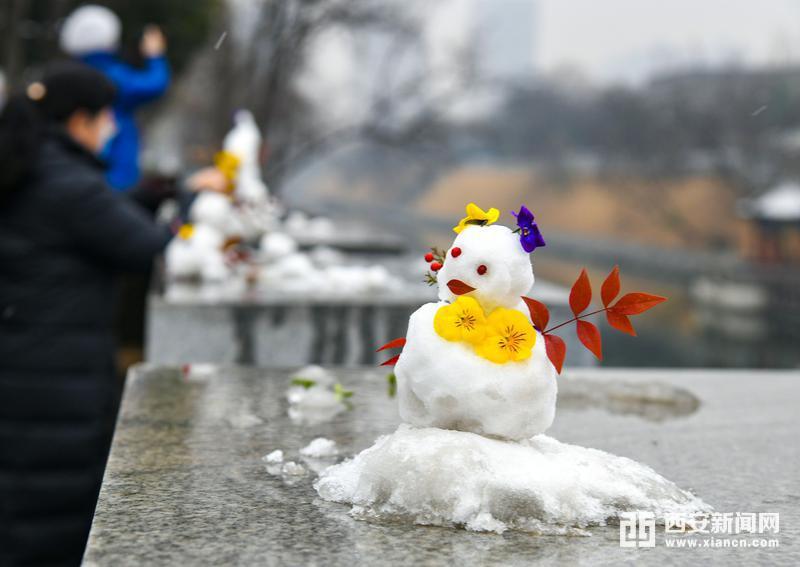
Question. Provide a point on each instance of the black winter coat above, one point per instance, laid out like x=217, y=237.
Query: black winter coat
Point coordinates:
x=63, y=235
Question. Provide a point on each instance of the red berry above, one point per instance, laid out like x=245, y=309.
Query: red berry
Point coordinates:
x=455, y=252
x=429, y=257
x=482, y=269
x=436, y=266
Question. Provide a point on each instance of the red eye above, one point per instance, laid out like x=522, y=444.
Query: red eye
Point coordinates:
x=455, y=252
x=482, y=270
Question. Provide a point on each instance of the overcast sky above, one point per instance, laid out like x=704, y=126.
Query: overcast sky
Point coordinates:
x=607, y=41
x=623, y=39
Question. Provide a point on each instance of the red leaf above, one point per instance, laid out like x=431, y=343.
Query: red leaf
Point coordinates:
x=589, y=335
x=392, y=361
x=556, y=350
x=610, y=288
x=581, y=293
x=396, y=343
x=539, y=313
x=620, y=322
x=635, y=303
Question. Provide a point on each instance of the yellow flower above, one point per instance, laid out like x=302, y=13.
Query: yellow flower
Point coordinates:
x=476, y=215
x=510, y=337
x=228, y=163
x=462, y=320
x=185, y=231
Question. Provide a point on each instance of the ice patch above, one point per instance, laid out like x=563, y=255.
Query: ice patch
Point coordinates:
x=312, y=399
x=319, y=448
x=293, y=469
x=274, y=457
x=244, y=420
x=315, y=373
x=444, y=477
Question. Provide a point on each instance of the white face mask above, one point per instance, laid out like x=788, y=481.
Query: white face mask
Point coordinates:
x=108, y=130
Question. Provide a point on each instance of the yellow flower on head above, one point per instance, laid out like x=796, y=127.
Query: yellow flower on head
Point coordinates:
x=510, y=337
x=462, y=320
x=476, y=215
x=228, y=163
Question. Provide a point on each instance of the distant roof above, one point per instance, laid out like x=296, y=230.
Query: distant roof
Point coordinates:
x=781, y=203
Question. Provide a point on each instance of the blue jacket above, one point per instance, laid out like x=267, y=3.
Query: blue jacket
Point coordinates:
x=134, y=88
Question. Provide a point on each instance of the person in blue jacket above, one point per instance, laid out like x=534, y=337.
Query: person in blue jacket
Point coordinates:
x=91, y=33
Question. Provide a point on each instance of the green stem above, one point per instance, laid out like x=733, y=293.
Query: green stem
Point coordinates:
x=551, y=329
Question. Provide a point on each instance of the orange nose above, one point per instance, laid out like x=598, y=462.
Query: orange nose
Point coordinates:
x=459, y=288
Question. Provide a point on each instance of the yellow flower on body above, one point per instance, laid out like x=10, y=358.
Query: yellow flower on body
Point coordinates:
x=476, y=215
x=185, y=231
x=462, y=320
x=509, y=338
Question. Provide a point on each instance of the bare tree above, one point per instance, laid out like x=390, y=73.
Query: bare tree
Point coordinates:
x=260, y=72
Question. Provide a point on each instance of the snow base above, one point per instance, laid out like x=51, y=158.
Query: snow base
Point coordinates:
x=452, y=478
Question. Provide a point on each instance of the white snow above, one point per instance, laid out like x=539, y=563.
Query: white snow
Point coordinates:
x=200, y=255
x=274, y=457
x=442, y=477
x=296, y=272
x=317, y=404
x=316, y=373
x=320, y=448
x=214, y=210
x=291, y=468
x=276, y=245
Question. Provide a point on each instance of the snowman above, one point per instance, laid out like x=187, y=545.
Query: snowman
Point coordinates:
x=476, y=390
x=197, y=252
x=473, y=361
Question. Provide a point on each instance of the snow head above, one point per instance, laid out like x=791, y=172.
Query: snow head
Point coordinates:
x=488, y=263
x=244, y=139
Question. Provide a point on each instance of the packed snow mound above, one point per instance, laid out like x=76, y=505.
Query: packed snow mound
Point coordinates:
x=274, y=457
x=508, y=275
x=320, y=448
x=276, y=245
x=453, y=478
x=445, y=384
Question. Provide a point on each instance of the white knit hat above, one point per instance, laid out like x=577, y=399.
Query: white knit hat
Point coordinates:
x=89, y=29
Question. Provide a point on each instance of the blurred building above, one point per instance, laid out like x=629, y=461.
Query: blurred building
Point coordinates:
x=772, y=231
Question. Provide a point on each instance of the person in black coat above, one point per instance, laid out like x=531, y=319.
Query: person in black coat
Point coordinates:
x=63, y=236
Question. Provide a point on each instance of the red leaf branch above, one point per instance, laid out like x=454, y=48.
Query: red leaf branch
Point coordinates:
x=581, y=293
x=395, y=343
x=580, y=296
x=556, y=350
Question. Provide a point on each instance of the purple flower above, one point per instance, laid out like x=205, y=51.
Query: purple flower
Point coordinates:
x=529, y=235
